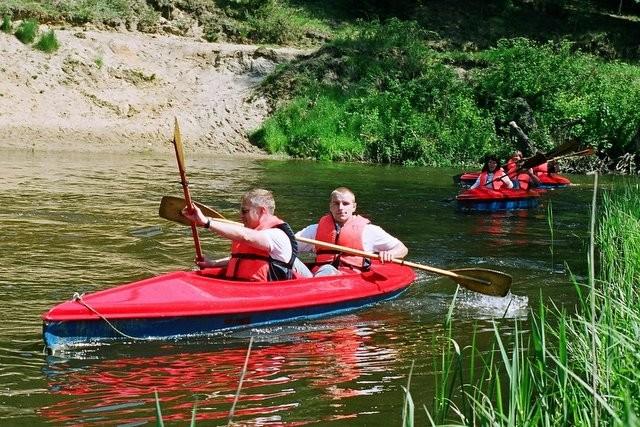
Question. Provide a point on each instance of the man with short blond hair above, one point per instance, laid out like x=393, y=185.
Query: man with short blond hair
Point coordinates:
x=264, y=249
x=342, y=227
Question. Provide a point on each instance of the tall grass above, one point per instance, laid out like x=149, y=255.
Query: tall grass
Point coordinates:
x=570, y=369
x=6, y=25
x=48, y=42
x=27, y=31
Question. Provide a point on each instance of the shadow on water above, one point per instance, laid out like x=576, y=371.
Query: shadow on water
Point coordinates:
x=80, y=223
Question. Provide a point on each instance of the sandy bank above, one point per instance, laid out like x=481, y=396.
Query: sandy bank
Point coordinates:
x=119, y=92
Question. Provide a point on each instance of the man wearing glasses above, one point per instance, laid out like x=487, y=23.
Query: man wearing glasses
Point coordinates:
x=264, y=249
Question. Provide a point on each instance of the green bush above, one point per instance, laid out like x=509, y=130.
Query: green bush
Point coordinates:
x=558, y=84
x=48, y=42
x=27, y=31
x=379, y=95
x=6, y=25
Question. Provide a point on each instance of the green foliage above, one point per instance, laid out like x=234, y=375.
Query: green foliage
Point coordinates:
x=6, y=25
x=386, y=99
x=558, y=84
x=265, y=21
x=311, y=128
x=399, y=101
x=26, y=31
x=109, y=12
x=48, y=42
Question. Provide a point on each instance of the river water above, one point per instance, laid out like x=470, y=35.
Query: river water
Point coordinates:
x=85, y=222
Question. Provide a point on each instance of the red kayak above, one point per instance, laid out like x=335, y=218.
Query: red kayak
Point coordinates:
x=547, y=181
x=486, y=199
x=201, y=302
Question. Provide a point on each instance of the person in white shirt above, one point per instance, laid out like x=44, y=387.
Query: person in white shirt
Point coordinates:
x=342, y=227
x=492, y=175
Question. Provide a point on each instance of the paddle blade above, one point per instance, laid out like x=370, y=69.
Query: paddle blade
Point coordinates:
x=475, y=279
x=171, y=209
x=562, y=149
x=177, y=142
x=531, y=162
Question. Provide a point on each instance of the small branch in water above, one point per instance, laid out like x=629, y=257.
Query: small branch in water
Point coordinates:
x=244, y=372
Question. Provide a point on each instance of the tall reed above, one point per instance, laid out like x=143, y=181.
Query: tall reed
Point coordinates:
x=571, y=368
x=550, y=223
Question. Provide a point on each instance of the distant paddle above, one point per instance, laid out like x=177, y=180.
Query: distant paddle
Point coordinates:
x=557, y=152
x=481, y=280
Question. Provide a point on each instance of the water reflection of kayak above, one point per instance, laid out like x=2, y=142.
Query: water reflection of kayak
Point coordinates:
x=200, y=302
x=326, y=363
x=547, y=181
x=486, y=199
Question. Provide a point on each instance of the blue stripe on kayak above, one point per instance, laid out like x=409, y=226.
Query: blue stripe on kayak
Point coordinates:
x=498, y=205
x=58, y=334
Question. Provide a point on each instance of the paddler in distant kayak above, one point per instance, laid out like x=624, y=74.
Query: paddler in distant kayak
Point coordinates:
x=263, y=250
x=340, y=226
x=521, y=178
x=492, y=175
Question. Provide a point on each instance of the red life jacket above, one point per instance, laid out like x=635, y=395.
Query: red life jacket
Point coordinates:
x=497, y=182
x=250, y=263
x=523, y=179
x=520, y=178
x=350, y=235
x=542, y=169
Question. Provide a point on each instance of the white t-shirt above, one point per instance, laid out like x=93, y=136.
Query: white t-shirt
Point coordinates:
x=374, y=239
x=279, y=244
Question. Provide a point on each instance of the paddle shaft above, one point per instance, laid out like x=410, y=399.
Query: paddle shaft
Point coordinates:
x=177, y=145
x=585, y=152
x=394, y=260
x=375, y=256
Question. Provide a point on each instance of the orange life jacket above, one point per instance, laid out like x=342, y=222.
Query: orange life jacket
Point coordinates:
x=350, y=235
x=497, y=182
x=542, y=169
x=511, y=167
x=253, y=264
x=522, y=180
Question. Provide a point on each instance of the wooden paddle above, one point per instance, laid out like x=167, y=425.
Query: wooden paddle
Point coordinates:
x=177, y=144
x=539, y=158
x=481, y=280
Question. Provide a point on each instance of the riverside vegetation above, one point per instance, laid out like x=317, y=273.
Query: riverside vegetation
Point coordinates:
x=410, y=83
x=570, y=368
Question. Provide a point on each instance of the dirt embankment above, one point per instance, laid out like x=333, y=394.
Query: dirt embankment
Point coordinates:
x=120, y=91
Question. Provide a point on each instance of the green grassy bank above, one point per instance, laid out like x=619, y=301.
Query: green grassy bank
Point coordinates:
x=570, y=368
x=384, y=94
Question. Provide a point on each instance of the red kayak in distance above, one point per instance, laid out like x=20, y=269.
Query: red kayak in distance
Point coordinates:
x=187, y=303
x=489, y=200
x=547, y=181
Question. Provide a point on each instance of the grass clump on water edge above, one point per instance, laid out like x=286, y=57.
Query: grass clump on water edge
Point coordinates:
x=570, y=368
x=48, y=42
x=27, y=31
